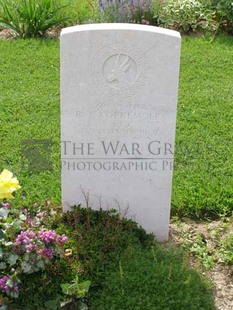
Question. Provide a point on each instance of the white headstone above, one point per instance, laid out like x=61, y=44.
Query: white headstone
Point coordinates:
x=119, y=85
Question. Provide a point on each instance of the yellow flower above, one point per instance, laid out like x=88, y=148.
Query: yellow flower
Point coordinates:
x=8, y=184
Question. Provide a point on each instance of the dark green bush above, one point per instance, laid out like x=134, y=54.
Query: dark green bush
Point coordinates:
x=152, y=280
x=223, y=14
x=99, y=238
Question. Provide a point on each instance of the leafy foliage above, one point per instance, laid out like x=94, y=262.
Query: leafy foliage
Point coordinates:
x=80, y=11
x=186, y=16
x=25, y=245
x=76, y=290
x=223, y=13
x=31, y=18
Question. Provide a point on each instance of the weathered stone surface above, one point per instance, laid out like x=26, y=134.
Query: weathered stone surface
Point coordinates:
x=119, y=87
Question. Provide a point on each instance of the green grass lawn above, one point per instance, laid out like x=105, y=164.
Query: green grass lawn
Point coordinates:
x=203, y=177
x=203, y=174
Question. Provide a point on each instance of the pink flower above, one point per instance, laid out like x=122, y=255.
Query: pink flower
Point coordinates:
x=6, y=205
x=30, y=219
x=61, y=239
x=31, y=247
x=26, y=238
x=5, y=287
x=47, y=253
x=47, y=235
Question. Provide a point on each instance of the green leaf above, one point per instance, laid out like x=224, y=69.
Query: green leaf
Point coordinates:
x=4, y=213
x=85, y=286
x=2, y=265
x=17, y=225
x=41, y=264
x=2, y=234
x=65, y=288
x=82, y=306
x=52, y=304
x=14, y=294
x=26, y=267
x=10, y=283
x=12, y=259
x=22, y=217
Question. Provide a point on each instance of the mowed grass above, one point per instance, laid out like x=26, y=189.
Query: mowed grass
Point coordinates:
x=203, y=173
x=30, y=110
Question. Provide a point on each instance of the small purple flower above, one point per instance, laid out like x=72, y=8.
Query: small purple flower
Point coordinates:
x=61, y=239
x=101, y=4
x=47, y=235
x=30, y=219
x=5, y=287
x=26, y=238
x=47, y=253
x=31, y=247
x=6, y=205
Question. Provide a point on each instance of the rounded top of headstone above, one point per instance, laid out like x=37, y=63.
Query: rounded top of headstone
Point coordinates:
x=120, y=26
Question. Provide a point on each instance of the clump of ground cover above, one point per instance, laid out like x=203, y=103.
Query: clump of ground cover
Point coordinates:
x=128, y=269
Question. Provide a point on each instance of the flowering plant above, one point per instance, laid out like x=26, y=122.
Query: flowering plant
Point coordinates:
x=130, y=11
x=8, y=184
x=26, y=245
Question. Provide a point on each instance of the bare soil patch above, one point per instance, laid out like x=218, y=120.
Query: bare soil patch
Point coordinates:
x=190, y=233
x=9, y=34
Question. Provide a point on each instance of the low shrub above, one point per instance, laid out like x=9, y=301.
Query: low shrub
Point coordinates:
x=153, y=279
x=223, y=14
x=79, y=11
x=186, y=16
x=99, y=237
